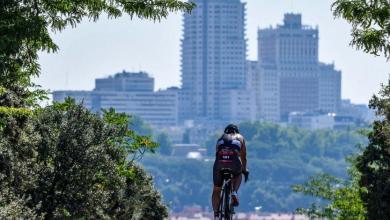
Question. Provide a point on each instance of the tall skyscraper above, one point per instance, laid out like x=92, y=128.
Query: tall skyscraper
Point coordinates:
x=213, y=58
x=291, y=50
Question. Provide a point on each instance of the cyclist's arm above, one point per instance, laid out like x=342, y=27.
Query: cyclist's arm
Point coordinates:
x=243, y=155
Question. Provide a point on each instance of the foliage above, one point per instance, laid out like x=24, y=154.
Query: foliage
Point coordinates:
x=165, y=144
x=140, y=126
x=71, y=163
x=370, y=21
x=278, y=157
x=371, y=32
x=342, y=198
x=374, y=163
x=63, y=161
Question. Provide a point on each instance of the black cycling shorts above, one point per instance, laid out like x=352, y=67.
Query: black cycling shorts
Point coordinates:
x=235, y=165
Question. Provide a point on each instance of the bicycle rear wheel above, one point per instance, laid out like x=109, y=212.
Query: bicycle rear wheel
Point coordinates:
x=221, y=207
x=228, y=209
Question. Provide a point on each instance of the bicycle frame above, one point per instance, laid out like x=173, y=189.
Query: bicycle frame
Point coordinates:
x=226, y=210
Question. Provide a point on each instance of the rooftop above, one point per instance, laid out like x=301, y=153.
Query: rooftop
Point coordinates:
x=125, y=74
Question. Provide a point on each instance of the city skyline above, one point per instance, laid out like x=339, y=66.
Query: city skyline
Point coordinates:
x=75, y=67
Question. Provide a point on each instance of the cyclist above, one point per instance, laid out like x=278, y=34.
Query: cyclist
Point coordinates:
x=230, y=153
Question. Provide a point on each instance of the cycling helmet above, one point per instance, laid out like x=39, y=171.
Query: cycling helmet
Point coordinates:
x=231, y=128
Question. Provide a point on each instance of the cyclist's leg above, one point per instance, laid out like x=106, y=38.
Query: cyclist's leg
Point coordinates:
x=237, y=171
x=215, y=198
x=217, y=179
x=237, y=182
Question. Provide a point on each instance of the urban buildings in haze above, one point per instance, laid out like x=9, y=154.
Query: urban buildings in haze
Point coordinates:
x=287, y=83
x=213, y=61
x=131, y=93
x=289, y=52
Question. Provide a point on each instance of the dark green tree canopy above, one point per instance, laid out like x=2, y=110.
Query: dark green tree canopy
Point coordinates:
x=374, y=163
x=71, y=163
x=370, y=21
x=64, y=161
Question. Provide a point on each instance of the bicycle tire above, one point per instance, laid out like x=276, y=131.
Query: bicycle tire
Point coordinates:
x=221, y=204
x=227, y=201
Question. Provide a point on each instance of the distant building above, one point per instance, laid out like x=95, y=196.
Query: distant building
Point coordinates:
x=253, y=84
x=290, y=52
x=191, y=151
x=157, y=108
x=329, y=88
x=239, y=105
x=269, y=107
x=123, y=93
x=344, y=122
x=263, y=82
x=358, y=112
x=84, y=97
x=213, y=58
x=126, y=82
x=312, y=120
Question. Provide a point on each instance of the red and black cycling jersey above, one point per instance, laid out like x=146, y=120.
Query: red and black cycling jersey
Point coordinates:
x=228, y=148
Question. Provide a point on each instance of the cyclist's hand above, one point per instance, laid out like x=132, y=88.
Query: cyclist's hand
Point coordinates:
x=246, y=174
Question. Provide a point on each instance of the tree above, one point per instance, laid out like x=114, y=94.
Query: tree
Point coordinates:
x=371, y=32
x=24, y=28
x=79, y=168
x=339, y=199
x=140, y=126
x=165, y=145
x=374, y=163
x=370, y=21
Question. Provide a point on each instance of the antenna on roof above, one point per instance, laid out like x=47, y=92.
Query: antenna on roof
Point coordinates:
x=292, y=6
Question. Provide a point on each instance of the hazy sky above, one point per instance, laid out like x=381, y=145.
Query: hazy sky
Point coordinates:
x=103, y=48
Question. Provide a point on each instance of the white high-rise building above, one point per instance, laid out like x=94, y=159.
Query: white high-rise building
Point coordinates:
x=263, y=83
x=213, y=58
x=269, y=99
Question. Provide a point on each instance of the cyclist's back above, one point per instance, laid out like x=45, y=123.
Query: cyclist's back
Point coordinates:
x=228, y=156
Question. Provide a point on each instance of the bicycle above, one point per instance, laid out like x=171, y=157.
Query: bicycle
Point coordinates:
x=226, y=209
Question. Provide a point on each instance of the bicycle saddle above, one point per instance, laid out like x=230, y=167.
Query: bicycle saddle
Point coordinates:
x=227, y=173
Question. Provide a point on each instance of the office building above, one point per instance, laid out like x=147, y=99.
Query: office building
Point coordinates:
x=290, y=51
x=213, y=57
x=84, y=97
x=239, y=105
x=126, y=82
x=263, y=82
x=130, y=93
x=312, y=120
x=358, y=112
x=329, y=88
